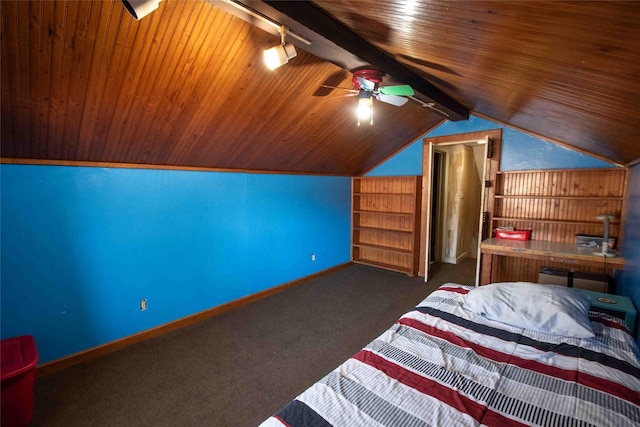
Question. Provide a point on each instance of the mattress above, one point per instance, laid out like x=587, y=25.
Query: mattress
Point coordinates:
x=442, y=365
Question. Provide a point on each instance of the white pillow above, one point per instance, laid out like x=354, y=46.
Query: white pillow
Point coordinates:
x=543, y=308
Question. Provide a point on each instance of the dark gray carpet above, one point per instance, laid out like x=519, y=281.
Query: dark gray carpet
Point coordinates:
x=238, y=368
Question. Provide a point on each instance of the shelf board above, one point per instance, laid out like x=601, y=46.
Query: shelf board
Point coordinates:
x=409, y=178
x=585, y=198
x=581, y=170
x=384, y=194
x=383, y=265
x=554, y=221
x=383, y=230
x=410, y=214
x=383, y=248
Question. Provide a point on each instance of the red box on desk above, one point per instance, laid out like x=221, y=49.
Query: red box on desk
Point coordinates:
x=513, y=234
x=18, y=374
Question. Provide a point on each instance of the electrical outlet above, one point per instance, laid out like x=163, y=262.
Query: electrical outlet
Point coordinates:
x=313, y=257
x=143, y=304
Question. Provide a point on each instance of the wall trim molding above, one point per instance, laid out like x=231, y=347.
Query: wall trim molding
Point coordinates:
x=110, y=347
x=75, y=163
x=633, y=163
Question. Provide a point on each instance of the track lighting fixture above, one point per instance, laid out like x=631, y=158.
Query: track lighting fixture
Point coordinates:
x=140, y=8
x=280, y=55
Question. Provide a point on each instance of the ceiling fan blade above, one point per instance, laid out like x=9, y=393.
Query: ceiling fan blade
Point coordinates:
x=396, y=100
x=341, y=88
x=402, y=90
x=342, y=96
x=365, y=84
x=331, y=81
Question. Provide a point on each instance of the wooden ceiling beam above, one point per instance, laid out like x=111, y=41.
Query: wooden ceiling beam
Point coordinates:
x=341, y=45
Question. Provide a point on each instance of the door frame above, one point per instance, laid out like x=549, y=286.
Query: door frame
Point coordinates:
x=491, y=166
x=442, y=174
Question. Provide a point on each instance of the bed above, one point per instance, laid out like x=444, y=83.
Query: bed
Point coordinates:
x=499, y=355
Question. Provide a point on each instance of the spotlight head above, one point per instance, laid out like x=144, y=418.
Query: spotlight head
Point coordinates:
x=140, y=8
x=279, y=55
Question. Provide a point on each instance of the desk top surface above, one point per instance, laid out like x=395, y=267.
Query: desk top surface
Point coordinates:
x=545, y=248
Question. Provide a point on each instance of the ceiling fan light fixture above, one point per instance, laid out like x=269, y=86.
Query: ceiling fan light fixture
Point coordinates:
x=365, y=108
x=279, y=55
x=140, y=8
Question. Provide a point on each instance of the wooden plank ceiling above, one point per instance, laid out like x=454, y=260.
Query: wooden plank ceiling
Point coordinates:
x=569, y=71
x=185, y=86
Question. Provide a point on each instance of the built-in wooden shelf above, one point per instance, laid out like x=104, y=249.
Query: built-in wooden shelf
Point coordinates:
x=385, y=222
x=556, y=205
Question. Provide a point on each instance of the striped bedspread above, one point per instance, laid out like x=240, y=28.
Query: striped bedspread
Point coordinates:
x=441, y=365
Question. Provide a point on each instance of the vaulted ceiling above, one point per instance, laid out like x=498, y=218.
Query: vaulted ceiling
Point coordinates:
x=186, y=87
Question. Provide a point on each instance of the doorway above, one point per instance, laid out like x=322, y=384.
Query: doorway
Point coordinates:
x=455, y=197
x=438, y=194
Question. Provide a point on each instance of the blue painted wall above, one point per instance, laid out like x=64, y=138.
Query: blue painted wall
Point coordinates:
x=82, y=246
x=520, y=151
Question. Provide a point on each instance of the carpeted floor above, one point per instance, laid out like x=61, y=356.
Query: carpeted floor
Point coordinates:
x=238, y=368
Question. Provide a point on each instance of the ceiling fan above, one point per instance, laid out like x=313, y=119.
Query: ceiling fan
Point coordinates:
x=367, y=85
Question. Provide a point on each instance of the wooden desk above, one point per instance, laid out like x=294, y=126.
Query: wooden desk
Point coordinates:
x=565, y=253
